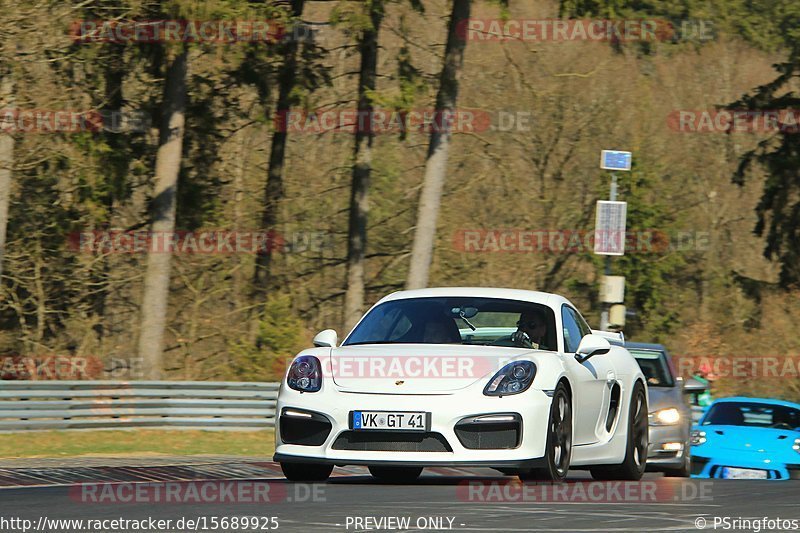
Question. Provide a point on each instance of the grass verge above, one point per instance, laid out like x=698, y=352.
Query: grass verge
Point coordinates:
x=136, y=442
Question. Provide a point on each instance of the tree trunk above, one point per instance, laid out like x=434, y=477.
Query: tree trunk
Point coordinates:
x=362, y=168
x=6, y=163
x=162, y=212
x=438, y=150
x=116, y=162
x=274, y=192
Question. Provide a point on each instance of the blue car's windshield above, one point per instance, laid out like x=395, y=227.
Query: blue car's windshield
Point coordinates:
x=753, y=414
x=454, y=320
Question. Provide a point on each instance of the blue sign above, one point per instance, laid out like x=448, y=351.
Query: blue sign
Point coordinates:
x=615, y=160
x=356, y=419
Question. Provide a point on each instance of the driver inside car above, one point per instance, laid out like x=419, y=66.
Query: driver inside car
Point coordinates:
x=441, y=332
x=531, y=330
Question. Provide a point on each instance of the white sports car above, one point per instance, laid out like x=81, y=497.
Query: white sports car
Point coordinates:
x=509, y=379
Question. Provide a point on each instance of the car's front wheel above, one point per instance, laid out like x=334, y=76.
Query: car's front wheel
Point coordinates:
x=395, y=474
x=632, y=467
x=306, y=472
x=559, y=440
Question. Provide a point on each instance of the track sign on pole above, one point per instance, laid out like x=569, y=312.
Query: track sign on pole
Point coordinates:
x=615, y=160
x=612, y=289
x=609, y=228
x=616, y=316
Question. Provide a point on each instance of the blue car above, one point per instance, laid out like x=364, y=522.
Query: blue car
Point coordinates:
x=747, y=438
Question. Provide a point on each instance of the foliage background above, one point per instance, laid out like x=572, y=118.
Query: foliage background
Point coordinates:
x=722, y=297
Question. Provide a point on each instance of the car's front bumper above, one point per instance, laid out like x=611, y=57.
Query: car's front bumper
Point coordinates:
x=712, y=467
x=443, y=444
x=498, y=464
x=662, y=454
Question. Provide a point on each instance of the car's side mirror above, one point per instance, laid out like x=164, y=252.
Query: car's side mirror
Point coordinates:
x=590, y=346
x=691, y=386
x=326, y=339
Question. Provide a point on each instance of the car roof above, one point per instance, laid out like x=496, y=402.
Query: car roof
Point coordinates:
x=758, y=400
x=646, y=346
x=544, y=298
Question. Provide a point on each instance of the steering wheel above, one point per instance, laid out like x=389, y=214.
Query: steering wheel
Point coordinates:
x=781, y=425
x=502, y=341
x=518, y=339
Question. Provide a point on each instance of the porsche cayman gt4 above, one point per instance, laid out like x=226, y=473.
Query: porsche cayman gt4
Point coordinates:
x=509, y=379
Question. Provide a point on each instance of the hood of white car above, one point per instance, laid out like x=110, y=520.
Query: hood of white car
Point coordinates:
x=416, y=368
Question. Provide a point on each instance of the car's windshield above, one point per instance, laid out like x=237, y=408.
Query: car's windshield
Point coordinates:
x=654, y=366
x=753, y=414
x=456, y=320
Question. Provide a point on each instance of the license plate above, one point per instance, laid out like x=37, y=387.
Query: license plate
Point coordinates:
x=390, y=420
x=743, y=473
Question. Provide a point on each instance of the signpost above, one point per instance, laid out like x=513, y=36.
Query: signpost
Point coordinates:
x=615, y=160
x=610, y=227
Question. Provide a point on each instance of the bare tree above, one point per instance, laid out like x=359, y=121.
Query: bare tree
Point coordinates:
x=6, y=163
x=274, y=190
x=162, y=212
x=438, y=148
x=362, y=167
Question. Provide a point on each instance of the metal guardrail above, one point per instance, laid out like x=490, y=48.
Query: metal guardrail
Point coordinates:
x=31, y=405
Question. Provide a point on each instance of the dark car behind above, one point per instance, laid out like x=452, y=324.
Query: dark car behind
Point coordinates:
x=670, y=415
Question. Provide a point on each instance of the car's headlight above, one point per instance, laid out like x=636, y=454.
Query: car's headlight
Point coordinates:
x=666, y=417
x=697, y=438
x=513, y=378
x=305, y=374
x=796, y=446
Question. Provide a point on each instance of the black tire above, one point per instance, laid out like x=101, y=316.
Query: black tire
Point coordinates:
x=633, y=466
x=685, y=470
x=396, y=474
x=559, y=440
x=306, y=472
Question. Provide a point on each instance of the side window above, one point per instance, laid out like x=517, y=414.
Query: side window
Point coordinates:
x=572, y=332
x=585, y=329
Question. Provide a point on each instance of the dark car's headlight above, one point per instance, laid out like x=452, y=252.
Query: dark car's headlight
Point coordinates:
x=665, y=417
x=697, y=438
x=305, y=374
x=513, y=378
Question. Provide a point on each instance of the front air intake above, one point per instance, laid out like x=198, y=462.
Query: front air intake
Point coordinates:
x=490, y=432
x=391, y=441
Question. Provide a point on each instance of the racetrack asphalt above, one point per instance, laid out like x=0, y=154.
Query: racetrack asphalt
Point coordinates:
x=443, y=499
